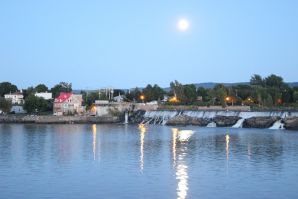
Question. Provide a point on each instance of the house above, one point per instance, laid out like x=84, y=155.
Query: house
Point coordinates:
x=15, y=98
x=119, y=98
x=68, y=103
x=104, y=107
x=165, y=98
x=200, y=98
x=46, y=95
x=17, y=109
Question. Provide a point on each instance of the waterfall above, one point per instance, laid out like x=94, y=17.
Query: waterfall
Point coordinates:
x=195, y=114
x=239, y=123
x=161, y=117
x=277, y=125
x=126, y=118
x=158, y=117
x=211, y=124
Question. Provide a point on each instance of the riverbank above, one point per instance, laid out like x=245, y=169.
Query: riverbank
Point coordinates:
x=51, y=119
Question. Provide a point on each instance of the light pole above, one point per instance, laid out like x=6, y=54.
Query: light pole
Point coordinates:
x=142, y=97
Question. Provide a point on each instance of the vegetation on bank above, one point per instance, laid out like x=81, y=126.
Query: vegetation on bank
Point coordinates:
x=261, y=93
x=268, y=92
x=32, y=103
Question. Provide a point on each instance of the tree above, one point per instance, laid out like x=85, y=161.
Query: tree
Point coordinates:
x=177, y=90
x=218, y=94
x=268, y=101
x=158, y=92
x=201, y=91
x=152, y=93
x=35, y=104
x=61, y=87
x=7, y=87
x=28, y=91
x=275, y=94
x=259, y=94
x=256, y=80
x=91, y=97
x=41, y=88
x=212, y=96
x=190, y=93
x=274, y=81
x=133, y=95
x=295, y=96
x=221, y=93
x=5, y=105
x=243, y=91
x=287, y=95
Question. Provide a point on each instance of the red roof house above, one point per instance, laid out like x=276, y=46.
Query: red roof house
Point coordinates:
x=68, y=103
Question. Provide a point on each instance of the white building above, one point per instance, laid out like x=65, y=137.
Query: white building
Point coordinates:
x=15, y=98
x=17, y=109
x=119, y=98
x=46, y=95
x=104, y=107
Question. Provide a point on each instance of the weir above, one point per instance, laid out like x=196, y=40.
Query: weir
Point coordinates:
x=161, y=117
x=239, y=123
x=277, y=125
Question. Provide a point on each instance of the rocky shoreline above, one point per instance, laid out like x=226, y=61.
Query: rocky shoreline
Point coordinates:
x=290, y=123
x=51, y=119
x=182, y=119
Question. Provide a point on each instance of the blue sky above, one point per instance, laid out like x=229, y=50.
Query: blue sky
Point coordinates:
x=130, y=43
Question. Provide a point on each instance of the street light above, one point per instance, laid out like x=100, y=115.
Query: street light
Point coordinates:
x=142, y=97
x=173, y=99
x=229, y=99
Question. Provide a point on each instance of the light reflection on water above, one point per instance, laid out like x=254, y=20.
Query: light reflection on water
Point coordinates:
x=180, y=150
x=60, y=161
x=227, y=146
x=94, y=140
x=142, y=129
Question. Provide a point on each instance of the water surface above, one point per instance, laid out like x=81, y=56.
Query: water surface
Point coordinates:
x=118, y=161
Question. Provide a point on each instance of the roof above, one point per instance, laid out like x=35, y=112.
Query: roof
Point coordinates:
x=63, y=97
x=15, y=93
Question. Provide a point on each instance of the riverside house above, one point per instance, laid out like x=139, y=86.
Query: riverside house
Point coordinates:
x=44, y=95
x=15, y=98
x=68, y=103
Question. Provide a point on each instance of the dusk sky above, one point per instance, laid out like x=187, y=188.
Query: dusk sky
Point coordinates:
x=124, y=44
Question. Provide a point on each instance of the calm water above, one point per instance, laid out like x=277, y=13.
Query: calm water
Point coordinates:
x=117, y=161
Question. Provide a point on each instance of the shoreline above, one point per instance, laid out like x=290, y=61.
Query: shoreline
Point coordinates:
x=51, y=119
x=274, y=120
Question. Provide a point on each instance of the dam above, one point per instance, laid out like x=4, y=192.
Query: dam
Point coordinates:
x=235, y=119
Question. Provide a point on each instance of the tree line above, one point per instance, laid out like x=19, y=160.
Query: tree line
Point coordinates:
x=260, y=92
x=32, y=104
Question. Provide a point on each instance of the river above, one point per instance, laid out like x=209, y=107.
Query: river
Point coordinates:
x=130, y=161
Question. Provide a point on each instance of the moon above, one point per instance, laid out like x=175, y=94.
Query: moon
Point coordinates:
x=183, y=24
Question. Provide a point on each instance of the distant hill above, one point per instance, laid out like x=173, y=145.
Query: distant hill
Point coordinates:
x=293, y=84
x=209, y=85
x=212, y=84
x=204, y=85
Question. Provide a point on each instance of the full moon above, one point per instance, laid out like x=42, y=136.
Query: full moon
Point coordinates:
x=183, y=24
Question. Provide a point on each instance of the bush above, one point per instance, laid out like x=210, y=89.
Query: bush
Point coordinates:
x=35, y=104
x=5, y=105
